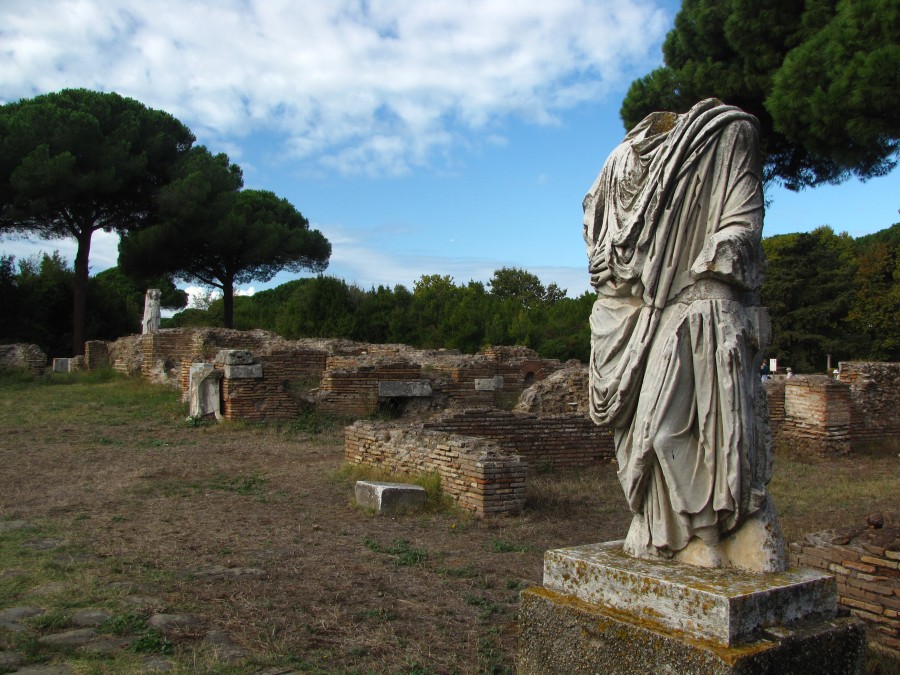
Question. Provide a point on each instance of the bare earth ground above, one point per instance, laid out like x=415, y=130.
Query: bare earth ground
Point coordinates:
x=253, y=530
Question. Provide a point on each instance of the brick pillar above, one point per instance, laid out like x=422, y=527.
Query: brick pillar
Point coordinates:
x=817, y=415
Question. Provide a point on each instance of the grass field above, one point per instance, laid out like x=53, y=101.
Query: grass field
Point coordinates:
x=111, y=499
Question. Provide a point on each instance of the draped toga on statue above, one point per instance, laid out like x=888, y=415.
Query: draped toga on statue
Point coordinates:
x=673, y=226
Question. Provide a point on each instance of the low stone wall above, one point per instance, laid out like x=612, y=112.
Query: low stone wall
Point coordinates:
x=816, y=415
x=866, y=566
x=546, y=442
x=875, y=400
x=22, y=356
x=475, y=472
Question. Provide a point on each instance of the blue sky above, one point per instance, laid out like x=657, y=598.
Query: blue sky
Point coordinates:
x=420, y=136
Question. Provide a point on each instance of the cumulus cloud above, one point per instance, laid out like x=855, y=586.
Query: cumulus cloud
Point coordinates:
x=353, y=86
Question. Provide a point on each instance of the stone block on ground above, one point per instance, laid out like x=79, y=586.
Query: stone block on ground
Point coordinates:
x=90, y=617
x=12, y=618
x=173, y=622
x=63, y=365
x=390, y=498
x=10, y=660
x=70, y=638
x=225, y=648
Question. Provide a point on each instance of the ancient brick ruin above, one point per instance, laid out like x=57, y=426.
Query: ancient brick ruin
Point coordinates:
x=546, y=442
x=816, y=415
x=337, y=377
x=23, y=357
x=484, y=422
x=461, y=404
x=874, y=400
x=475, y=472
x=866, y=565
x=825, y=415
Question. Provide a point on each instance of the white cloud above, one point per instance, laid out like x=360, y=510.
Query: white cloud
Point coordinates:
x=356, y=87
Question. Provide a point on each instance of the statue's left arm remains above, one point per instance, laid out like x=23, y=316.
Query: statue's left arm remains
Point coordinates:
x=733, y=246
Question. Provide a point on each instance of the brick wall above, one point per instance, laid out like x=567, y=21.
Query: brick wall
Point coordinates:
x=546, y=442
x=348, y=378
x=816, y=415
x=349, y=384
x=163, y=352
x=875, y=400
x=288, y=376
x=475, y=472
x=23, y=356
x=96, y=354
x=867, y=574
x=774, y=388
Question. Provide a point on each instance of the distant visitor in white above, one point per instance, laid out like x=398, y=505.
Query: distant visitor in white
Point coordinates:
x=673, y=226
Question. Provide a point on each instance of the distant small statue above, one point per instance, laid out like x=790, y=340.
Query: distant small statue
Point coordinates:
x=673, y=226
x=151, y=311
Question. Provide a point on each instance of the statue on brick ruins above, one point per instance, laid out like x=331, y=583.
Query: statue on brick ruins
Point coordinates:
x=673, y=226
x=151, y=320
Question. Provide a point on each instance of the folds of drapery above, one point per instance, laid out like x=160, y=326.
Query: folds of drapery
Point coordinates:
x=673, y=226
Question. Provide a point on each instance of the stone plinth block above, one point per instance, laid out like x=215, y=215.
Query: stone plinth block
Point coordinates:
x=561, y=634
x=254, y=371
x=489, y=383
x=63, y=365
x=727, y=606
x=390, y=498
x=414, y=389
x=204, y=390
x=234, y=357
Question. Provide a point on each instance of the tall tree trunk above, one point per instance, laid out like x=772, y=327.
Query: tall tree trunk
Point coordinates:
x=79, y=311
x=228, y=300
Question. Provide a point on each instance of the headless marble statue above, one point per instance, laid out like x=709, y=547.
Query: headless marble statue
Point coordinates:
x=673, y=226
x=150, y=323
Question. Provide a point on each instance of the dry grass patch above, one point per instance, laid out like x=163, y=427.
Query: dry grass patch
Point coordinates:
x=253, y=529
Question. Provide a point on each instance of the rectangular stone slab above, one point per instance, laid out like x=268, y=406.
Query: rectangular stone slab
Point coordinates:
x=727, y=606
x=413, y=389
x=489, y=383
x=390, y=498
x=254, y=371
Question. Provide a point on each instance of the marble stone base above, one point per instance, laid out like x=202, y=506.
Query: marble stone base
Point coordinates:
x=561, y=634
x=603, y=611
x=724, y=605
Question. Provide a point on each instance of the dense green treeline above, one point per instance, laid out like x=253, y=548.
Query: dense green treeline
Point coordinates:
x=36, y=302
x=436, y=313
x=827, y=293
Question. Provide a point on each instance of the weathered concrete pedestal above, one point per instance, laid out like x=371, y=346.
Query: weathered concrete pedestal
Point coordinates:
x=603, y=611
